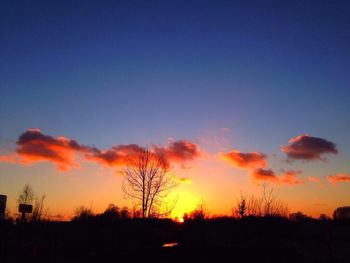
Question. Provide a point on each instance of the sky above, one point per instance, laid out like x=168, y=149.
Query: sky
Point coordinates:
x=237, y=93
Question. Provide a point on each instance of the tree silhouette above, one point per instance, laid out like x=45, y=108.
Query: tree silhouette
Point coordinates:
x=38, y=209
x=147, y=180
x=342, y=213
x=241, y=207
x=267, y=204
x=26, y=196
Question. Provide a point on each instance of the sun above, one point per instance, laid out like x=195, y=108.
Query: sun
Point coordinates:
x=186, y=203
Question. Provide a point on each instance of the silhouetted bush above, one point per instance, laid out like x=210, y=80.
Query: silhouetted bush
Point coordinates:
x=82, y=213
x=298, y=217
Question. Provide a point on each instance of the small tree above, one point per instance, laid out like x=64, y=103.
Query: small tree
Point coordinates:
x=148, y=182
x=324, y=217
x=241, y=207
x=267, y=204
x=38, y=210
x=26, y=196
x=112, y=212
x=82, y=213
x=298, y=217
x=199, y=214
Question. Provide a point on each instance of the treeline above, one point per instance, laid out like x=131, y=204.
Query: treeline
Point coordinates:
x=265, y=205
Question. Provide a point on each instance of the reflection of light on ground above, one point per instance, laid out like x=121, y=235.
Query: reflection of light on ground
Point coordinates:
x=174, y=244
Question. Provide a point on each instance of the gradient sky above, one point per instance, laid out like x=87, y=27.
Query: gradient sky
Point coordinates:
x=226, y=75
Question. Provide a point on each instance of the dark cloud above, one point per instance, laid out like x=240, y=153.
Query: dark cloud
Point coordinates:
x=179, y=151
x=305, y=147
x=115, y=156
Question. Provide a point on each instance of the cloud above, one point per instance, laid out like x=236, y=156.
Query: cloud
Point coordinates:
x=314, y=179
x=179, y=151
x=250, y=160
x=288, y=177
x=115, y=156
x=34, y=146
x=307, y=148
x=338, y=178
x=264, y=174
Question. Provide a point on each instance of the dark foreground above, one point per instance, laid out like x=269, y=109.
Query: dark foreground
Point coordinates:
x=220, y=240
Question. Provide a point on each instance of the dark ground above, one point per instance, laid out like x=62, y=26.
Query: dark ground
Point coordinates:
x=216, y=240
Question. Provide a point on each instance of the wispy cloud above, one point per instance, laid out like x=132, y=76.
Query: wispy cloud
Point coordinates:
x=338, y=178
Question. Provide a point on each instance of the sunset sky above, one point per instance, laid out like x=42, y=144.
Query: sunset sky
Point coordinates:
x=235, y=93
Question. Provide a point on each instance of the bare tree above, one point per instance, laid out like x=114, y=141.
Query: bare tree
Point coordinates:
x=147, y=180
x=26, y=196
x=267, y=204
x=38, y=210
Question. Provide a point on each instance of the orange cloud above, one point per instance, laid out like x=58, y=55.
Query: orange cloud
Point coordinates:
x=314, y=179
x=338, y=178
x=250, y=160
x=288, y=177
x=33, y=146
x=305, y=147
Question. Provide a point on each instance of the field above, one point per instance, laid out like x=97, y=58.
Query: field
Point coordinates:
x=215, y=240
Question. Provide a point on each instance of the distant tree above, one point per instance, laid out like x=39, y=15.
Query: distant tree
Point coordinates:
x=199, y=214
x=298, y=216
x=342, y=213
x=82, y=213
x=324, y=217
x=125, y=213
x=112, y=212
x=26, y=196
x=147, y=180
x=241, y=207
x=267, y=204
x=136, y=213
x=38, y=209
